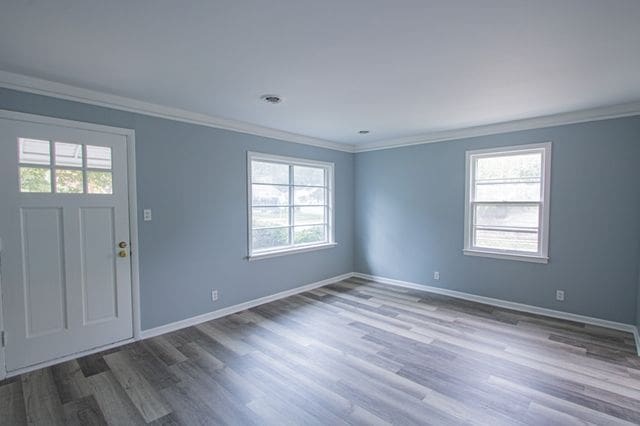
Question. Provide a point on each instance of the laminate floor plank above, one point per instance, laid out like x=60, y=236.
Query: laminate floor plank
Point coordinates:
x=165, y=351
x=187, y=407
x=146, y=399
x=293, y=390
x=355, y=352
x=93, y=364
x=340, y=336
x=12, y=411
x=116, y=406
x=41, y=400
x=228, y=340
x=336, y=403
x=70, y=381
x=147, y=362
x=84, y=412
x=563, y=406
x=219, y=398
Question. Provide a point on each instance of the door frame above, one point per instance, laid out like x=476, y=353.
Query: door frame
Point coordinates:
x=130, y=137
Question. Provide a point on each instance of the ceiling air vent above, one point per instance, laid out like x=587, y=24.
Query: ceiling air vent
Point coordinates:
x=271, y=99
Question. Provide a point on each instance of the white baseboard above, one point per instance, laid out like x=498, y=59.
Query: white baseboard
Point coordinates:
x=508, y=305
x=156, y=331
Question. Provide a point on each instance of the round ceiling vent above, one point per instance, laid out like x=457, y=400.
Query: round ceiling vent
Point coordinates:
x=271, y=99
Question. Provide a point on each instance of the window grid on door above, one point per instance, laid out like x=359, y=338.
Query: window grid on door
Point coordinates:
x=47, y=166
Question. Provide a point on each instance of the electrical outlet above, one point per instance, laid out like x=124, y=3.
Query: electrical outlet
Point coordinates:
x=214, y=295
x=436, y=275
x=560, y=295
x=147, y=215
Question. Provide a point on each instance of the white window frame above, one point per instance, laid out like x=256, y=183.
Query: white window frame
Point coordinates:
x=330, y=195
x=542, y=256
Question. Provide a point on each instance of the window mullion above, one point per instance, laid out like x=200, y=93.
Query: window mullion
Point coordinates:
x=85, y=184
x=53, y=164
x=291, y=207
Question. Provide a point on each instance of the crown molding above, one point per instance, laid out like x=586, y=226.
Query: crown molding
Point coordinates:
x=64, y=91
x=582, y=116
x=71, y=93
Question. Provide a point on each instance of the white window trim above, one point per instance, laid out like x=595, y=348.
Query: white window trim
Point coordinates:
x=330, y=185
x=542, y=256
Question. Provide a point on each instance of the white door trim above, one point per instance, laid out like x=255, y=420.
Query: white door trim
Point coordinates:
x=129, y=134
x=3, y=367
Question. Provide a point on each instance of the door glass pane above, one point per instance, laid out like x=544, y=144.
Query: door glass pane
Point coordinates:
x=263, y=172
x=69, y=181
x=33, y=151
x=308, y=176
x=99, y=182
x=506, y=240
x=269, y=195
x=309, y=234
x=264, y=217
x=68, y=154
x=308, y=196
x=34, y=179
x=308, y=215
x=270, y=238
x=98, y=157
x=507, y=215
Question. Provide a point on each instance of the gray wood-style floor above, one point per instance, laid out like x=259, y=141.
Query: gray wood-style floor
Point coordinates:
x=351, y=353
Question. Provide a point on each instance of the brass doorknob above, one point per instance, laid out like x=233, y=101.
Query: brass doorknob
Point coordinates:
x=122, y=253
x=122, y=244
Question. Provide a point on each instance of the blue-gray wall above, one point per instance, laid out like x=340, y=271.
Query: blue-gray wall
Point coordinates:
x=410, y=208
x=194, y=179
x=407, y=218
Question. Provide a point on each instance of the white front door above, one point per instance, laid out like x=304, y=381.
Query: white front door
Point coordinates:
x=64, y=229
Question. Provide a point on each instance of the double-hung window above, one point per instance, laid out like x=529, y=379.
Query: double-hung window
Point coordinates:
x=290, y=205
x=507, y=202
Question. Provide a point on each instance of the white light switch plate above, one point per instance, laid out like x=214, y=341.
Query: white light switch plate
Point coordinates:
x=147, y=215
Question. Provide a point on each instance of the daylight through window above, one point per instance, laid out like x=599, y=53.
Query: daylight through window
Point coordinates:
x=508, y=202
x=64, y=168
x=290, y=204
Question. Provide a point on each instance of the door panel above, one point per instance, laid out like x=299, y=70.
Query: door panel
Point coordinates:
x=43, y=277
x=64, y=211
x=98, y=264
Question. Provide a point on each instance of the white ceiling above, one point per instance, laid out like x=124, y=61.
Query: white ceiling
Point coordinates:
x=397, y=68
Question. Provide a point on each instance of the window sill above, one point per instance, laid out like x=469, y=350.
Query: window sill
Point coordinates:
x=507, y=256
x=287, y=251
